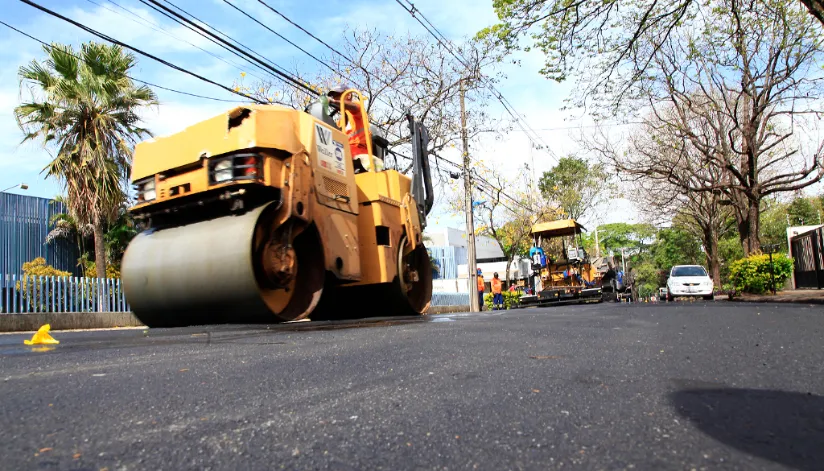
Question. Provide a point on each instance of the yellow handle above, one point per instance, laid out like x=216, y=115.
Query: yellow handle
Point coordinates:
x=342, y=121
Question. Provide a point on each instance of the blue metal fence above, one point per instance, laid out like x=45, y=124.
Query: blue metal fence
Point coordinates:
x=24, y=225
x=21, y=294
x=447, y=259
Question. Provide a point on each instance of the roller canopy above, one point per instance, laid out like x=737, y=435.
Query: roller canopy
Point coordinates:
x=564, y=227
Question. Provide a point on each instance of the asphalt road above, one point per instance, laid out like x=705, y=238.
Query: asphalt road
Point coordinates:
x=612, y=386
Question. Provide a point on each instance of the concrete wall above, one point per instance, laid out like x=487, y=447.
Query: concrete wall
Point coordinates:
x=30, y=322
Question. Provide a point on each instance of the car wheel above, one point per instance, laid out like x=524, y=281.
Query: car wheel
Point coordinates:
x=670, y=298
x=709, y=297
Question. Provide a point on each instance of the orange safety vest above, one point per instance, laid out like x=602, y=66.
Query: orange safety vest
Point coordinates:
x=357, y=136
x=480, y=283
x=250, y=171
x=496, y=286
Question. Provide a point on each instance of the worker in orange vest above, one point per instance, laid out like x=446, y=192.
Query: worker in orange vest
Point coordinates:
x=497, y=296
x=357, y=135
x=480, y=291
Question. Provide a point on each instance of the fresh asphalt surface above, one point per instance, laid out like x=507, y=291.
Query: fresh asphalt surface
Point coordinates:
x=713, y=385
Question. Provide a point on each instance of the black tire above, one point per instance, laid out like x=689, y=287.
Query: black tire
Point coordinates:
x=709, y=297
x=670, y=297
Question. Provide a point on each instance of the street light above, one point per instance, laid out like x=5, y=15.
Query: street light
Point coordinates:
x=22, y=186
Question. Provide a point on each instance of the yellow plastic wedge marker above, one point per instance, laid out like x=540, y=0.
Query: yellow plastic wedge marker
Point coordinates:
x=41, y=337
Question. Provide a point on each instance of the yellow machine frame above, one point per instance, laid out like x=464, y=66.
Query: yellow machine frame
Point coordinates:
x=368, y=224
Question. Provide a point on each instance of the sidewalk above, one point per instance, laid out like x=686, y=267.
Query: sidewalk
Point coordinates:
x=808, y=296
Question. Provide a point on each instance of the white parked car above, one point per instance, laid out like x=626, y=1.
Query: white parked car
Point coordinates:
x=689, y=280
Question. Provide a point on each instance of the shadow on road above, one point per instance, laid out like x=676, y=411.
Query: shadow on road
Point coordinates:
x=784, y=427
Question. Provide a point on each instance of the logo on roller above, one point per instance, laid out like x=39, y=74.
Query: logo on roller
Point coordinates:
x=324, y=135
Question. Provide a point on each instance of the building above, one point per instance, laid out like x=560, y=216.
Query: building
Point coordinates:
x=448, y=248
x=25, y=221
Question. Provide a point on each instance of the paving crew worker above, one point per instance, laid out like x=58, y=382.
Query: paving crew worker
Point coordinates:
x=497, y=296
x=357, y=135
x=480, y=290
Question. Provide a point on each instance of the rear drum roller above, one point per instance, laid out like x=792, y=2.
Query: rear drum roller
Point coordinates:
x=409, y=294
x=214, y=272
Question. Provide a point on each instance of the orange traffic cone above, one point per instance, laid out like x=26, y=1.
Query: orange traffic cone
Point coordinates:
x=41, y=337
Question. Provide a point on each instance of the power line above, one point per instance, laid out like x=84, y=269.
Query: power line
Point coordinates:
x=112, y=40
x=140, y=20
x=278, y=34
x=351, y=61
x=441, y=38
x=273, y=68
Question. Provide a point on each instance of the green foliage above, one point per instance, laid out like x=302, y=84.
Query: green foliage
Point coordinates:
x=729, y=250
x=773, y=224
x=90, y=269
x=802, y=212
x=676, y=246
x=647, y=274
x=118, y=235
x=574, y=184
x=634, y=238
x=511, y=299
x=752, y=274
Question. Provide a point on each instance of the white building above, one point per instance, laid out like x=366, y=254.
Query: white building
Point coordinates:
x=486, y=249
x=489, y=258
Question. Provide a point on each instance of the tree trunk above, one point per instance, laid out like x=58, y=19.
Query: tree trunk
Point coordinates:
x=99, y=250
x=99, y=264
x=748, y=226
x=508, y=264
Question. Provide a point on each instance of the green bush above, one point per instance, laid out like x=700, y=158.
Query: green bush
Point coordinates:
x=752, y=274
x=511, y=299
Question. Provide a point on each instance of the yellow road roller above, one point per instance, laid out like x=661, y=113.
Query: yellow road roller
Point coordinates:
x=262, y=214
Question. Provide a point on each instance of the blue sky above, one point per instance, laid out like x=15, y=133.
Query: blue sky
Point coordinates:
x=534, y=97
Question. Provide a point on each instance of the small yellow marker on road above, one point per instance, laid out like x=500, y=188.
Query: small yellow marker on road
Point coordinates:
x=42, y=337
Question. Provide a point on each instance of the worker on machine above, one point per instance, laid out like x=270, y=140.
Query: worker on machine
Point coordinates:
x=357, y=134
x=497, y=296
x=480, y=290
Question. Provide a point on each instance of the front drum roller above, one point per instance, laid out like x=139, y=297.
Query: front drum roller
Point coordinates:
x=232, y=269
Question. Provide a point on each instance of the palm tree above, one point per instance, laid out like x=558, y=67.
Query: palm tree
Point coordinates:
x=64, y=226
x=87, y=108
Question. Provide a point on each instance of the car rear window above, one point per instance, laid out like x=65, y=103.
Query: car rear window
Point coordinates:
x=689, y=271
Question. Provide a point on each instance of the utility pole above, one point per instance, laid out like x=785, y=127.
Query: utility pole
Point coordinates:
x=474, y=306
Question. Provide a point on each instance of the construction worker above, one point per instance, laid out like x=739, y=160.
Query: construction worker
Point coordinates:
x=497, y=296
x=480, y=290
x=357, y=135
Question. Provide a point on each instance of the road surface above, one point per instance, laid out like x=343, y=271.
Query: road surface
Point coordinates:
x=681, y=386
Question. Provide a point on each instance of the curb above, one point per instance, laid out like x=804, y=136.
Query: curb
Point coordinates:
x=31, y=321
x=765, y=299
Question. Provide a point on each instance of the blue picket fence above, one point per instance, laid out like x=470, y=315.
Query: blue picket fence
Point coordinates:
x=23, y=294
x=450, y=299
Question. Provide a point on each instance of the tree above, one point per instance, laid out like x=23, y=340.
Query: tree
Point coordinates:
x=575, y=185
x=399, y=74
x=633, y=238
x=609, y=44
x=730, y=97
x=85, y=106
x=802, y=212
